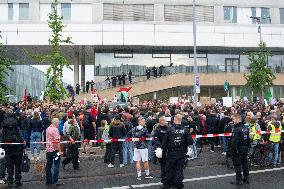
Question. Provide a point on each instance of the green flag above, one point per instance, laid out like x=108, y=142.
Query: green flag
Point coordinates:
x=268, y=96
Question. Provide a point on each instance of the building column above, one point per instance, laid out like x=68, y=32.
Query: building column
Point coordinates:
x=233, y=92
x=83, y=64
x=76, y=66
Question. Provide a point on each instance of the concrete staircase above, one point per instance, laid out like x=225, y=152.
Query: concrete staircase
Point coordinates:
x=176, y=80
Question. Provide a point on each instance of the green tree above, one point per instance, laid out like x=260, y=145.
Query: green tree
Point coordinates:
x=260, y=75
x=5, y=68
x=55, y=89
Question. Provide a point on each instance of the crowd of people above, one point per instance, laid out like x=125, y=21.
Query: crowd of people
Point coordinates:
x=78, y=121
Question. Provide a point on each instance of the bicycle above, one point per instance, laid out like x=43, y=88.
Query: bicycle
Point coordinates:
x=260, y=155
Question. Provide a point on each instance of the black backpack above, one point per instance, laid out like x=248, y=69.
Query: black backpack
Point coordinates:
x=11, y=133
x=26, y=163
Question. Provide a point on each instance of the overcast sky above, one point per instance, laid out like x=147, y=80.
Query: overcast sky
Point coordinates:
x=68, y=75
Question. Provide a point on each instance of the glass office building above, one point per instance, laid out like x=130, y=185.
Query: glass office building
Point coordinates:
x=25, y=77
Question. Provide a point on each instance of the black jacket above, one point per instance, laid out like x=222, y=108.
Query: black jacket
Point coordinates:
x=212, y=123
x=176, y=141
x=117, y=130
x=159, y=134
x=223, y=122
x=240, y=138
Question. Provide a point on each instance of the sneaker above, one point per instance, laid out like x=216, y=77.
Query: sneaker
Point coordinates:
x=212, y=151
x=149, y=177
x=139, y=178
x=110, y=165
x=2, y=181
x=219, y=146
x=224, y=153
x=37, y=158
x=59, y=184
x=121, y=165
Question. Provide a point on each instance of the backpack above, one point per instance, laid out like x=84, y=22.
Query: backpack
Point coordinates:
x=86, y=121
x=26, y=163
x=74, y=132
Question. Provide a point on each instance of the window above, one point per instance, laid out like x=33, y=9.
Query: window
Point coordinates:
x=281, y=15
x=184, y=13
x=66, y=11
x=253, y=14
x=23, y=11
x=10, y=11
x=265, y=16
x=230, y=14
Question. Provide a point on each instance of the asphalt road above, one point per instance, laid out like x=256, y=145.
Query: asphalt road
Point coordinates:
x=206, y=172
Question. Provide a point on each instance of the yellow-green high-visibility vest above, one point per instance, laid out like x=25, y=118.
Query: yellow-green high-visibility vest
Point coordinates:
x=275, y=136
x=256, y=136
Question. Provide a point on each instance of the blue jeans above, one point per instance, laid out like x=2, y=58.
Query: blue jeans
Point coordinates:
x=274, y=147
x=27, y=136
x=127, y=152
x=35, y=137
x=50, y=159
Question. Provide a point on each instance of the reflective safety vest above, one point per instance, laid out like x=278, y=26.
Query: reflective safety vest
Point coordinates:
x=275, y=137
x=256, y=136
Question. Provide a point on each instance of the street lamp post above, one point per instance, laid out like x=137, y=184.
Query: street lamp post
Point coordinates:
x=258, y=21
x=194, y=52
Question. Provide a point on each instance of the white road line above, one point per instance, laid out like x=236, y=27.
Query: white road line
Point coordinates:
x=207, y=178
x=121, y=187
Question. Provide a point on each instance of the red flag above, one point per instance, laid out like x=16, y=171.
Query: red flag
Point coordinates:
x=123, y=89
x=25, y=97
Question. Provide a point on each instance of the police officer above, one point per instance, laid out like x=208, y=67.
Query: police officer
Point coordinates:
x=174, y=148
x=240, y=144
x=14, y=153
x=159, y=134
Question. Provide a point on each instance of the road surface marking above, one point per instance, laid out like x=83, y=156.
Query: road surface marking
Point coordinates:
x=207, y=178
x=121, y=187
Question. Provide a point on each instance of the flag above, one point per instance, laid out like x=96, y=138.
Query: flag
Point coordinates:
x=123, y=89
x=268, y=96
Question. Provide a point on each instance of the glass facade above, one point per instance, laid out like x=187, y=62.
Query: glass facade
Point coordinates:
x=109, y=64
x=66, y=11
x=25, y=77
x=24, y=11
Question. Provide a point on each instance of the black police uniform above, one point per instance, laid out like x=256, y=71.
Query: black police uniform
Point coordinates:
x=159, y=134
x=240, y=144
x=14, y=153
x=174, y=147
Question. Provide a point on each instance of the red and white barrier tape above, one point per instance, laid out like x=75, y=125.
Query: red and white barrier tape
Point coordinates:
x=142, y=139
